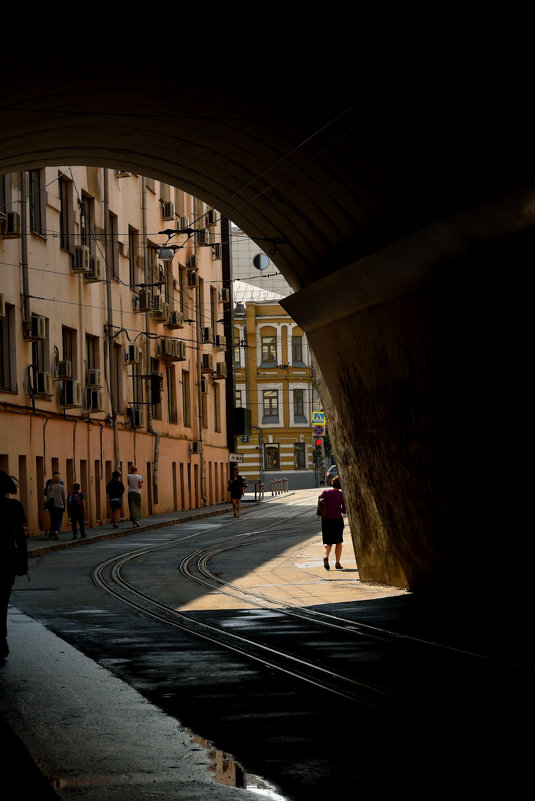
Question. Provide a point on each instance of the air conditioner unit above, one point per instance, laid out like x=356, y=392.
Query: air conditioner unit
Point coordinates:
x=193, y=279
x=96, y=271
x=207, y=365
x=204, y=386
x=168, y=210
x=220, y=370
x=143, y=301
x=180, y=350
x=167, y=348
x=136, y=417
x=207, y=335
x=121, y=174
x=64, y=370
x=123, y=249
x=203, y=237
x=191, y=263
x=211, y=216
x=70, y=394
x=132, y=354
x=12, y=225
x=220, y=341
x=160, y=308
x=224, y=296
x=175, y=320
x=43, y=384
x=184, y=223
x=81, y=259
x=2, y=305
x=93, y=377
x=196, y=447
x=94, y=400
x=38, y=327
x=217, y=250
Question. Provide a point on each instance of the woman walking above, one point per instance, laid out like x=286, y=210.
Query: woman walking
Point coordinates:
x=59, y=501
x=332, y=526
x=115, y=492
x=135, y=483
x=236, y=488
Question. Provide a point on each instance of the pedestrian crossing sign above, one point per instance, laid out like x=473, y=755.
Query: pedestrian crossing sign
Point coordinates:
x=318, y=417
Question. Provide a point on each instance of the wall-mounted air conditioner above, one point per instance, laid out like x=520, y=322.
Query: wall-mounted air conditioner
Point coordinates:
x=160, y=308
x=11, y=227
x=180, y=350
x=191, y=263
x=132, y=354
x=184, y=223
x=168, y=210
x=96, y=270
x=167, y=348
x=207, y=335
x=63, y=370
x=69, y=394
x=220, y=342
x=38, y=328
x=193, y=279
x=211, y=217
x=94, y=400
x=43, y=384
x=123, y=249
x=143, y=301
x=175, y=320
x=207, y=364
x=196, y=447
x=204, y=386
x=224, y=296
x=93, y=377
x=220, y=370
x=81, y=259
x=2, y=305
x=217, y=251
x=136, y=417
x=203, y=237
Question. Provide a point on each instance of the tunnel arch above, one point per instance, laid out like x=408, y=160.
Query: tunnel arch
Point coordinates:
x=390, y=207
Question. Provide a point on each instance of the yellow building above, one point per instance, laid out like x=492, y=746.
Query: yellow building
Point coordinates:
x=274, y=379
x=112, y=350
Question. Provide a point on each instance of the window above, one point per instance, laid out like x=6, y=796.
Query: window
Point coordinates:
x=297, y=350
x=7, y=351
x=41, y=353
x=135, y=258
x=186, y=398
x=299, y=406
x=299, y=456
x=237, y=399
x=92, y=352
x=213, y=308
x=271, y=406
x=36, y=201
x=217, y=406
x=5, y=193
x=156, y=379
x=271, y=457
x=69, y=354
x=66, y=213
x=269, y=349
x=116, y=377
x=87, y=222
x=237, y=359
x=172, y=411
x=112, y=246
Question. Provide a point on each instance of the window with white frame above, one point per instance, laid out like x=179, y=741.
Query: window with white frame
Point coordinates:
x=270, y=406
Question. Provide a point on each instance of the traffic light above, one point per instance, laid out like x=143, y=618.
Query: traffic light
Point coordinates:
x=319, y=450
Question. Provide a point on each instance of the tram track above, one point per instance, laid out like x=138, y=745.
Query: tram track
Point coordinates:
x=194, y=566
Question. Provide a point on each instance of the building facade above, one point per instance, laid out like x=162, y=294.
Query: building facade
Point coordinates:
x=274, y=379
x=112, y=350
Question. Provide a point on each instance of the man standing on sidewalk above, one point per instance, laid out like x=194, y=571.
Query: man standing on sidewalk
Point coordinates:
x=135, y=483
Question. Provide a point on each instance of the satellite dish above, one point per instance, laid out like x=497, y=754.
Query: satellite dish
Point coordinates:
x=260, y=261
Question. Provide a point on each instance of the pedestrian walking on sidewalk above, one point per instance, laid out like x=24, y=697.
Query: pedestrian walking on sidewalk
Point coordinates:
x=13, y=551
x=332, y=526
x=76, y=511
x=57, y=506
x=135, y=483
x=236, y=487
x=115, y=492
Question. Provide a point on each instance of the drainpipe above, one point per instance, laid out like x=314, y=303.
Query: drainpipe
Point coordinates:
x=109, y=304
x=26, y=313
x=147, y=279
x=199, y=376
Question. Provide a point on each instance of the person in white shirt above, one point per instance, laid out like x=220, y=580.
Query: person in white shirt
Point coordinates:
x=135, y=483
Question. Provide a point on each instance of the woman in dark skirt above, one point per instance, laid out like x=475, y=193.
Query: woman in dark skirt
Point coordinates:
x=115, y=491
x=332, y=526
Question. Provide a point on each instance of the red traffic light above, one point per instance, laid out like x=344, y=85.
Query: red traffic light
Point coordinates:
x=318, y=443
